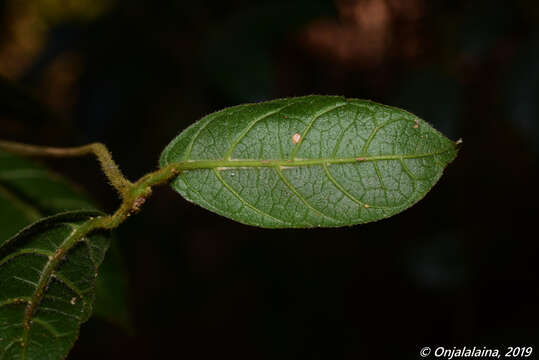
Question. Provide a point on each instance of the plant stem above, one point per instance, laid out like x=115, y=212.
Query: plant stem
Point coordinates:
x=133, y=195
x=111, y=170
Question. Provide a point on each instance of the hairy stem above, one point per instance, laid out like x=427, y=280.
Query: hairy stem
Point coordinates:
x=111, y=170
x=133, y=195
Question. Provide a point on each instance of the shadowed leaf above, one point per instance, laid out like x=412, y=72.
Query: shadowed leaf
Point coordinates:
x=47, y=277
x=29, y=192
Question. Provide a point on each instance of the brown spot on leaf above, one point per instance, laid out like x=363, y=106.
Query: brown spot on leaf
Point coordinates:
x=416, y=124
x=296, y=138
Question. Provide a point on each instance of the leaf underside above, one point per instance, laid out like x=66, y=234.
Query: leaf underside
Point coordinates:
x=314, y=161
x=47, y=279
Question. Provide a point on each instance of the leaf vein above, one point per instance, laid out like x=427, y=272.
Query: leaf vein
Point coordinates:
x=339, y=186
x=19, y=340
x=375, y=131
x=189, y=147
x=408, y=171
x=25, y=281
x=300, y=197
x=248, y=128
x=69, y=284
x=380, y=179
x=59, y=312
x=201, y=197
x=14, y=301
x=243, y=201
x=38, y=252
x=309, y=126
x=248, y=163
x=47, y=326
x=341, y=137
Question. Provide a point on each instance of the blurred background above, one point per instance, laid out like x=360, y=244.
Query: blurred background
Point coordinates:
x=459, y=268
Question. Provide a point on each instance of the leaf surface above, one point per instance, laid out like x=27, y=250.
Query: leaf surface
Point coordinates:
x=47, y=280
x=314, y=161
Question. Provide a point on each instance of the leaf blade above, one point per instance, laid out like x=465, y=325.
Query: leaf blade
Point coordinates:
x=29, y=192
x=47, y=277
x=314, y=161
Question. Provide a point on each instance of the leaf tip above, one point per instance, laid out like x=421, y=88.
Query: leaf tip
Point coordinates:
x=458, y=145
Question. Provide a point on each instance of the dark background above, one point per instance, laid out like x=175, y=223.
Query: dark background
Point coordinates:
x=459, y=268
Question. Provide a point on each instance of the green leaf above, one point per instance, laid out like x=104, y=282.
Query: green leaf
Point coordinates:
x=29, y=192
x=314, y=161
x=47, y=277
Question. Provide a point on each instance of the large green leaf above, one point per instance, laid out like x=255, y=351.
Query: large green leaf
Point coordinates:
x=314, y=161
x=29, y=192
x=47, y=279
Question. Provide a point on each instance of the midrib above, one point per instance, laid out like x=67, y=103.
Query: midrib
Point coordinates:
x=246, y=163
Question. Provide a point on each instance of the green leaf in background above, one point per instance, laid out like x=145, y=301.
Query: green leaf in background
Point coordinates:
x=47, y=279
x=314, y=161
x=29, y=192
